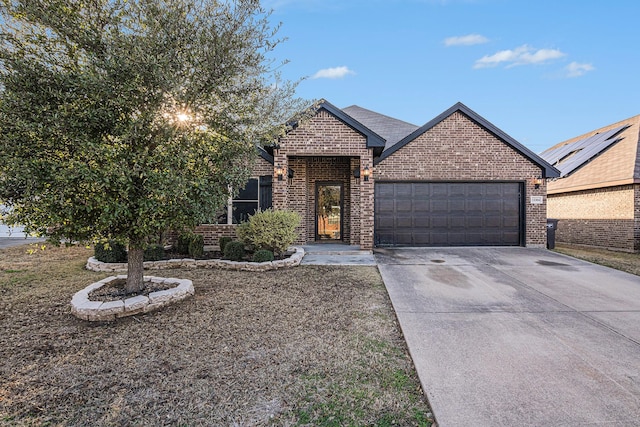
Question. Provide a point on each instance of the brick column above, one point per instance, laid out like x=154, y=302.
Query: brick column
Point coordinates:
x=366, y=203
x=356, y=214
x=280, y=188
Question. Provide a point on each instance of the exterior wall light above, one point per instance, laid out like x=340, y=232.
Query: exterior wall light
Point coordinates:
x=280, y=173
x=366, y=173
x=537, y=182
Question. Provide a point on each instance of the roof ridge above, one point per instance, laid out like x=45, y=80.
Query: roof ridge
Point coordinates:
x=379, y=114
x=629, y=121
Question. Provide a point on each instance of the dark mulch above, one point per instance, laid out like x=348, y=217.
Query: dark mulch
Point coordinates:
x=116, y=290
x=312, y=345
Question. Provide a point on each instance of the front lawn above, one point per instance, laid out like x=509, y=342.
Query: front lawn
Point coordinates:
x=312, y=345
x=623, y=261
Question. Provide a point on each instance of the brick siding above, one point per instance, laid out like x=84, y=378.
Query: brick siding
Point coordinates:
x=604, y=217
x=323, y=148
x=458, y=149
x=211, y=233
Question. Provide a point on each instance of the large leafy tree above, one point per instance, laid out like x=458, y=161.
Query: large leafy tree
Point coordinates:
x=123, y=118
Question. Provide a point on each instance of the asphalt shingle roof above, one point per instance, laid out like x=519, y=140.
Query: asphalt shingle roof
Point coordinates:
x=392, y=130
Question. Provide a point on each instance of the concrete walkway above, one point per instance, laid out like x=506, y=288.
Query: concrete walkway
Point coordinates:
x=336, y=254
x=517, y=336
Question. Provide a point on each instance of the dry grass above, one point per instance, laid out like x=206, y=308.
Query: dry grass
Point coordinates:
x=619, y=260
x=311, y=345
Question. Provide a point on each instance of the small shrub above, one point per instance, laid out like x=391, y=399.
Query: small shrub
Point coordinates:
x=110, y=251
x=196, y=246
x=223, y=242
x=272, y=230
x=182, y=245
x=234, y=251
x=262, y=255
x=154, y=253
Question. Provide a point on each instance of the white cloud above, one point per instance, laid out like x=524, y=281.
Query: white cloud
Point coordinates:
x=467, y=40
x=576, y=69
x=333, y=73
x=523, y=55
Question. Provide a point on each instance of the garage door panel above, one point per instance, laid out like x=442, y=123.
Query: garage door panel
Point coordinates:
x=448, y=214
x=420, y=191
x=421, y=239
x=510, y=222
x=386, y=206
x=441, y=221
x=474, y=205
x=474, y=222
x=403, y=205
x=403, y=239
x=403, y=191
x=421, y=222
x=456, y=206
x=439, y=206
x=421, y=206
x=405, y=222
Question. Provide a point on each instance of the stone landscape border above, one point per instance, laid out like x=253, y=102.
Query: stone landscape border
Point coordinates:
x=293, y=261
x=95, y=311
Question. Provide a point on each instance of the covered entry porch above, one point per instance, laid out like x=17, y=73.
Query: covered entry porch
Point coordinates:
x=332, y=197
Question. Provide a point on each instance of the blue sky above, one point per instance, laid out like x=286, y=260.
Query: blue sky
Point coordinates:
x=542, y=71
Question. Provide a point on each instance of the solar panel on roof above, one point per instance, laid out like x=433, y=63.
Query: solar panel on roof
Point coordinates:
x=569, y=157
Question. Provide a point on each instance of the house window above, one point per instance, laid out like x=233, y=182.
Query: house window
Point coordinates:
x=256, y=194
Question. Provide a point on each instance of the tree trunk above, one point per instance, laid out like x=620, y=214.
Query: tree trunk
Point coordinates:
x=135, y=270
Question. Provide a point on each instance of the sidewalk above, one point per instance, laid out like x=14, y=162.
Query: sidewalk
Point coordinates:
x=336, y=254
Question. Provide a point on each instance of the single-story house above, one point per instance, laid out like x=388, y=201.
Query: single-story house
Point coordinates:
x=366, y=179
x=596, y=199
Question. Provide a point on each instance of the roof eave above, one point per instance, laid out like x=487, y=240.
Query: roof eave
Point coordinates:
x=264, y=154
x=373, y=139
x=548, y=171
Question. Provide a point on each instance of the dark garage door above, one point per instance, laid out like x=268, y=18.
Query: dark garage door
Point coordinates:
x=448, y=213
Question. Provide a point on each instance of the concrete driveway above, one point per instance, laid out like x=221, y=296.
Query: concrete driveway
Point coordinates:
x=518, y=336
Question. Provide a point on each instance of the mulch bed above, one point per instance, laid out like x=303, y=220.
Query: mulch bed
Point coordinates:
x=115, y=290
x=312, y=345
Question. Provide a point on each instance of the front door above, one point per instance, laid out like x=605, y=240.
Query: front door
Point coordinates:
x=329, y=211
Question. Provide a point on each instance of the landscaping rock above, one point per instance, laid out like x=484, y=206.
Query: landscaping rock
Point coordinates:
x=86, y=309
x=292, y=261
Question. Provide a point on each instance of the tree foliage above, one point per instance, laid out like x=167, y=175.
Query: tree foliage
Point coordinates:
x=123, y=118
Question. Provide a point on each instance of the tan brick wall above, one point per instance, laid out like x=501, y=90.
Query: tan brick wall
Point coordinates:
x=326, y=149
x=603, y=203
x=605, y=217
x=457, y=149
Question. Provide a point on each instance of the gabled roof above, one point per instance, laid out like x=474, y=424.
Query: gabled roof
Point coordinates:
x=573, y=155
x=374, y=140
x=605, y=157
x=548, y=170
x=392, y=130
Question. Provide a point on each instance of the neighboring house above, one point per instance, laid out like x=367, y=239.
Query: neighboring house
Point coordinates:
x=365, y=179
x=597, y=197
